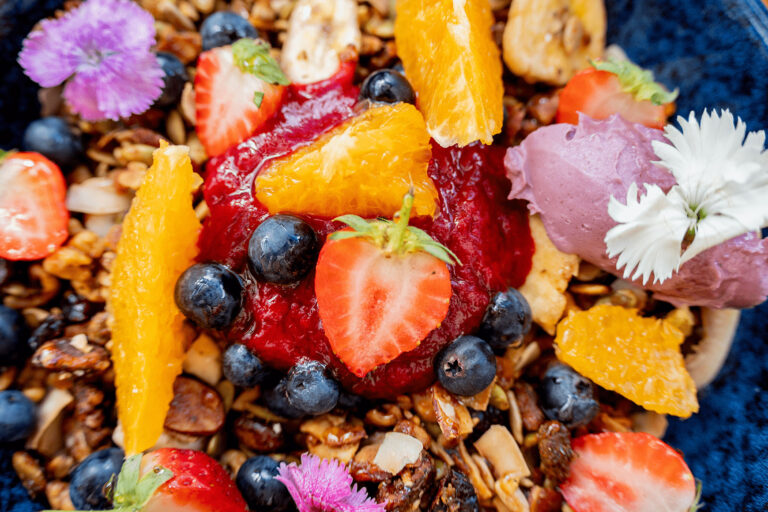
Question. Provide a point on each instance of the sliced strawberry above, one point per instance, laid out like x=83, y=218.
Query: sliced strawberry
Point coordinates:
x=380, y=293
x=601, y=94
x=628, y=471
x=227, y=106
x=33, y=213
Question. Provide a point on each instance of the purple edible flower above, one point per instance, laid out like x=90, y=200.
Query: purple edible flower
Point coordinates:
x=319, y=485
x=103, y=49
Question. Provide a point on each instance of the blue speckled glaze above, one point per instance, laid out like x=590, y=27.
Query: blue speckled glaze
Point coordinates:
x=716, y=52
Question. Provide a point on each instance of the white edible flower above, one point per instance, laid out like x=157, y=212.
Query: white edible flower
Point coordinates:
x=721, y=193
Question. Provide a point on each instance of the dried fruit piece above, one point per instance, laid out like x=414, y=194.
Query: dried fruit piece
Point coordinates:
x=637, y=357
x=159, y=241
x=362, y=167
x=453, y=63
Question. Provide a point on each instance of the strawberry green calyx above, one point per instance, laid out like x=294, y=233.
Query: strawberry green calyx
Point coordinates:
x=395, y=236
x=697, y=503
x=132, y=493
x=253, y=57
x=637, y=81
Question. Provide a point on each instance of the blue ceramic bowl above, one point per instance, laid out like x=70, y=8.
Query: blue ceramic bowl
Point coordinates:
x=716, y=52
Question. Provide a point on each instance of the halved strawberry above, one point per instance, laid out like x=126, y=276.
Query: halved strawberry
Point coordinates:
x=627, y=471
x=611, y=88
x=381, y=287
x=237, y=88
x=33, y=213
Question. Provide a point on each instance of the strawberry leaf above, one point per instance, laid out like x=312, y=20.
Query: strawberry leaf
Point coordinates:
x=253, y=57
x=637, y=81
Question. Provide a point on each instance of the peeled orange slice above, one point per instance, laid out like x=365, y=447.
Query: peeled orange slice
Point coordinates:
x=363, y=167
x=453, y=63
x=637, y=357
x=159, y=241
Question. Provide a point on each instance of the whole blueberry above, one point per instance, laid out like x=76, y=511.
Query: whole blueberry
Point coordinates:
x=387, y=86
x=257, y=483
x=282, y=250
x=466, y=366
x=242, y=367
x=567, y=397
x=173, y=81
x=11, y=325
x=310, y=389
x=86, y=487
x=224, y=27
x=17, y=416
x=277, y=401
x=507, y=319
x=53, y=138
x=209, y=294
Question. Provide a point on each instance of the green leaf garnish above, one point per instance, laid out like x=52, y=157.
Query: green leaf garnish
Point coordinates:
x=258, y=97
x=253, y=57
x=637, y=81
x=395, y=236
x=4, y=153
x=697, y=503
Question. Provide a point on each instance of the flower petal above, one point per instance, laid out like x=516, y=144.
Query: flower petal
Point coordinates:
x=48, y=56
x=81, y=94
x=650, y=232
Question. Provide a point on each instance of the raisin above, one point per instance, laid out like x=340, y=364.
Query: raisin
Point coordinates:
x=50, y=328
x=78, y=309
x=258, y=436
x=486, y=418
x=455, y=494
x=526, y=397
x=555, y=450
x=411, y=484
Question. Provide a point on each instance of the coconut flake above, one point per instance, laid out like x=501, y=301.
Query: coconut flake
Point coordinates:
x=709, y=354
x=97, y=196
x=397, y=451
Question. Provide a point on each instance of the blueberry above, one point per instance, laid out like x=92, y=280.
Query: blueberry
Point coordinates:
x=52, y=137
x=507, y=319
x=86, y=487
x=466, y=366
x=223, y=28
x=77, y=309
x=10, y=332
x=276, y=400
x=257, y=483
x=209, y=294
x=283, y=249
x=17, y=416
x=242, y=367
x=310, y=389
x=387, y=86
x=173, y=81
x=567, y=397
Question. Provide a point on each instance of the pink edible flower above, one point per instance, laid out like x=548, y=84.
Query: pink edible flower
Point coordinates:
x=319, y=485
x=102, y=50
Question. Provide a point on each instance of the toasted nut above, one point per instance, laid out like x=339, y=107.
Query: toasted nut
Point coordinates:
x=204, y=6
x=187, y=104
x=683, y=319
x=6, y=377
x=334, y=430
x=362, y=467
x=412, y=429
x=590, y=289
x=196, y=409
x=203, y=360
x=483, y=492
x=232, y=460
x=545, y=500
x=527, y=401
x=258, y=436
x=407, y=490
x=57, y=493
x=422, y=404
x=386, y=416
x=23, y=296
x=60, y=355
x=34, y=394
x=452, y=416
x=479, y=402
x=29, y=471
x=500, y=449
x=515, y=418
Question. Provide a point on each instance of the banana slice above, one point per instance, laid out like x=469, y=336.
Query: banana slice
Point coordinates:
x=710, y=353
x=318, y=31
x=550, y=40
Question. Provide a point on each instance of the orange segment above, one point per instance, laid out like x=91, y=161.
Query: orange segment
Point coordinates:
x=453, y=63
x=159, y=241
x=363, y=167
x=637, y=357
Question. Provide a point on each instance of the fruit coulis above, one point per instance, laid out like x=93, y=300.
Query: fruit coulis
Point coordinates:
x=488, y=233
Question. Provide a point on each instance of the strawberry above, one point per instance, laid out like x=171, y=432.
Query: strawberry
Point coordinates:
x=627, y=471
x=381, y=287
x=33, y=213
x=237, y=89
x=610, y=88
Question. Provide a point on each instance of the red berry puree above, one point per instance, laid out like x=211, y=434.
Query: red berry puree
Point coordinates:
x=281, y=324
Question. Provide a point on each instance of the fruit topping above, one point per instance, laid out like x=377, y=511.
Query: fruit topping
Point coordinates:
x=381, y=288
x=567, y=397
x=225, y=27
x=173, y=81
x=362, y=167
x=209, y=294
x=157, y=244
x=458, y=80
x=466, y=367
x=17, y=416
x=261, y=490
x=283, y=250
x=507, y=319
x=88, y=481
x=277, y=400
x=310, y=390
x=11, y=340
x=242, y=367
x=53, y=138
x=455, y=493
x=33, y=215
x=237, y=88
x=609, y=88
x=628, y=471
x=387, y=86
x=637, y=357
